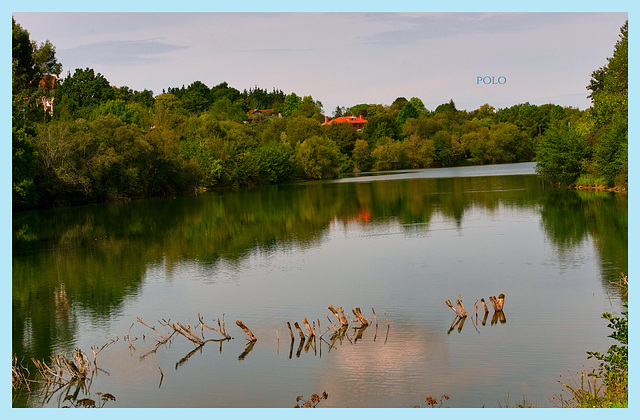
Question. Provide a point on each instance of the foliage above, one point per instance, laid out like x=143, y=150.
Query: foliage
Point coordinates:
x=615, y=361
x=605, y=127
x=612, y=391
x=561, y=155
x=318, y=158
x=291, y=103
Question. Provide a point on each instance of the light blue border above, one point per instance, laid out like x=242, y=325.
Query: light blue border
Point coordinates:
x=320, y=6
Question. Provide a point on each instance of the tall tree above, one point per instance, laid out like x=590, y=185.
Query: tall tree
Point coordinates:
x=609, y=114
x=23, y=69
x=84, y=90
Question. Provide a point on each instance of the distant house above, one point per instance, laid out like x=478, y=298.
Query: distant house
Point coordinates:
x=48, y=81
x=264, y=113
x=358, y=122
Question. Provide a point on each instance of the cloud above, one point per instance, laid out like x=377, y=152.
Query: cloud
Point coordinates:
x=416, y=27
x=128, y=53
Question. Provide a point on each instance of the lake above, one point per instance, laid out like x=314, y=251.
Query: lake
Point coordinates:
x=397, y=245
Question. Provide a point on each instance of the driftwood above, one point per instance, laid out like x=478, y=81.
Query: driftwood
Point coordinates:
x=300, y=333
x=290, y=331
x=498, y=303
x=246, y=330
x=460, y=312
x=340, y=315
x=310, y=331
x=484, y=305
x=221, y=327
x=361, y=319
x=461, y=308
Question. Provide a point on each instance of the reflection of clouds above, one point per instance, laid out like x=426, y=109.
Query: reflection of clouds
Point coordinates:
x=379, y=374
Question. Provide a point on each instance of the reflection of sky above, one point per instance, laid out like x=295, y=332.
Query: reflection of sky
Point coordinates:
x=527, y=168
x=553, y=307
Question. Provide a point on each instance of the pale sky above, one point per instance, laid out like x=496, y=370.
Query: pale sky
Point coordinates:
x=343, y=58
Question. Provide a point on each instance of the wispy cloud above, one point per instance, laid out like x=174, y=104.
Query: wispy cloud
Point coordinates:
x=398, y=28
x=128, y=53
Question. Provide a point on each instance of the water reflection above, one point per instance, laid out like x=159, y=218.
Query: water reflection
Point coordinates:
x=81, y=265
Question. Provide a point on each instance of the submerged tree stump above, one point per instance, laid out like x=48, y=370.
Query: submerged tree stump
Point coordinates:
x=246, y=330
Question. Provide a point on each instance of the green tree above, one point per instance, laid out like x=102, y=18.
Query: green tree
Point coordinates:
x=420, y=152
x=44, y=57
x=23, y=68
x=300, y=128
x=407, y=111
x=362, y=155
x=84, y=91
x=389, y=154
x=344, y=135
x=418, y=105
x=561, y=155
x=609, y=114
x=319, y=158
x=23, y=162
x=196, y=98
x=291, y=103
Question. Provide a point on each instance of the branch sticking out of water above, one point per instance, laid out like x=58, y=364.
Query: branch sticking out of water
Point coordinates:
x=246, y=330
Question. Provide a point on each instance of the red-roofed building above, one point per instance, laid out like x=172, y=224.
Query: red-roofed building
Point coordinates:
x=358, y=122
x=48, y=81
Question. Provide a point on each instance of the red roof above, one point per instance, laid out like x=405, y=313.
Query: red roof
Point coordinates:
x=47, y=81
x=262, y=111
x=350, y=120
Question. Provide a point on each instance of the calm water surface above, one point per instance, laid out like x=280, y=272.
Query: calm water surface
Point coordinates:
x=399, y=244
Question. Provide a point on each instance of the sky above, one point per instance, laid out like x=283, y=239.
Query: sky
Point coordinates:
x=343, y=59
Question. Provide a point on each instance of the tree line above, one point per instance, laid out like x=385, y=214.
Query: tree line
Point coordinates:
x=104, y=142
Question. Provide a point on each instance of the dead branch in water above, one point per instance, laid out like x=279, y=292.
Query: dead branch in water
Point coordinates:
x=457, y=311
x=498, y=303
x=361, y=319
x=300, y=333
x=339, y=314
x=290, y=331
x=484, y=305
x=246, y=330
x=310, y=332
x=221, y=327
x=461, y=307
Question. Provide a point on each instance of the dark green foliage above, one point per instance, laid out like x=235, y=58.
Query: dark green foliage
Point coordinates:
x=344, y=135
x=381, y=124
x=23, y=165
x=561, y=155
x=83, y=92
x=23, y=69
